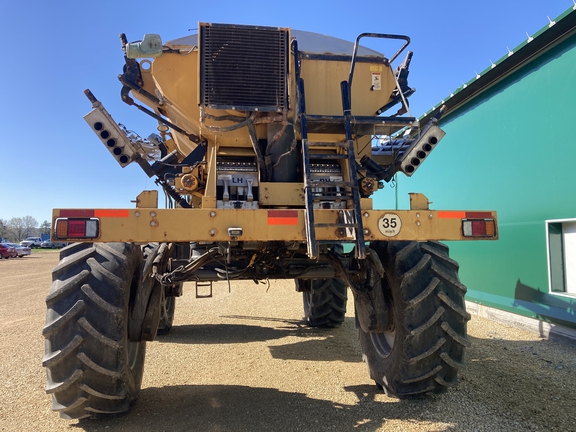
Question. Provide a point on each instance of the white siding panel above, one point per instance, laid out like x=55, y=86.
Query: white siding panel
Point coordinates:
x=569, y=233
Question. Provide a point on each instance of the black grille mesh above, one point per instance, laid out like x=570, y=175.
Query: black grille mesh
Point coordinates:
x=243, y=67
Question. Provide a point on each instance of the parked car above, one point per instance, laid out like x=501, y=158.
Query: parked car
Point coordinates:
x=20, y=250
x=7, y=251
x=47, y=244
x=31, y=242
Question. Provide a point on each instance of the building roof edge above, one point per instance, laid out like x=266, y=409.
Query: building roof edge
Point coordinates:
x=536, y=45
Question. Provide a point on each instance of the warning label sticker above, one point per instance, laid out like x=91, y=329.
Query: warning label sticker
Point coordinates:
x=376, y=81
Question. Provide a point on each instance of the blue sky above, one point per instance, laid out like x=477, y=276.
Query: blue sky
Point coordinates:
x=54, y=50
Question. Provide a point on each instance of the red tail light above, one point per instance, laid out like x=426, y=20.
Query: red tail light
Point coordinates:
x=478, y=228
x=77, y=228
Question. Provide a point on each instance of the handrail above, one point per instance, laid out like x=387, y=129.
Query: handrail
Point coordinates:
x=374, y=35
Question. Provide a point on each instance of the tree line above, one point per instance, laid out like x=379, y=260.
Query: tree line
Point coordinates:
x=18, y=228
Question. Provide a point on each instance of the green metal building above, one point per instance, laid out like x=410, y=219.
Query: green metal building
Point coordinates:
x=510, y=146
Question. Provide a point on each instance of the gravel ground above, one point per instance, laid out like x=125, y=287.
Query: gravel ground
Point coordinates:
x=244, y=361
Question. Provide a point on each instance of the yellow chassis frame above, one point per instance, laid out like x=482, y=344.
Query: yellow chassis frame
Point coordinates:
x=149, y=224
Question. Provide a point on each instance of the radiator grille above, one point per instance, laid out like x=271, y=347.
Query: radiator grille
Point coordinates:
x=243, y=67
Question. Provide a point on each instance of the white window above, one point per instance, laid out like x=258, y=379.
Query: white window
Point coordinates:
x=561, y=236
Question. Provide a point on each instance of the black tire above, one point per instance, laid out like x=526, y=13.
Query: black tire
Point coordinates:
x=324, y=301
x=423, y=348
x=93, y=370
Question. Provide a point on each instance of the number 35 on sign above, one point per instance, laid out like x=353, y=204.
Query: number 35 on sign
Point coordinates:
x=390, y=224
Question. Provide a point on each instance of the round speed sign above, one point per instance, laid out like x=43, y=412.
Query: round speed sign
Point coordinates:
x=390, y=224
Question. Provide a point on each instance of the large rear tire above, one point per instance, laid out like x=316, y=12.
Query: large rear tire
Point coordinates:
x=324, y=301
x=93, y=369
x=423, y=347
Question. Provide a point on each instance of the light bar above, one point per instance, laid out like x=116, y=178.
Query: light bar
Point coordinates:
x=478, y=228
x=77, y=228
x=114, y=138
x=420, y=149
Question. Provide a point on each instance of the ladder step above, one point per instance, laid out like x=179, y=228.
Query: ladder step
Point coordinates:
x=324, y=184
x=327, y=156
x=331, y=197
x=340, y=240
x=327, y=144
x=205, y=287
x=350, y=220
x=336, y=225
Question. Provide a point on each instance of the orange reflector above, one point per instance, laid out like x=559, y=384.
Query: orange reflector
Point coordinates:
x=88, y=213
x=490, y=228
x=111, y=213
x=442, y=214
x=61, y=228
x=282, y=217
x=451, y=215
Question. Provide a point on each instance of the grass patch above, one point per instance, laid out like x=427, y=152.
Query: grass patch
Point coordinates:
x=45, y=250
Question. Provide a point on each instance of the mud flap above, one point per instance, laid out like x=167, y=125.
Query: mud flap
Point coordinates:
x=372, y=309
x=152, y=317
x=145, y=298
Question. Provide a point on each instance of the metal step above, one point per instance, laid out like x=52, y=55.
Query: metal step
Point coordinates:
x=327, y=144
x=351, y=223
x=318, y=183
x=202, y=286
x=317, y=198
x=336, y=225
x=327, y=156
x=361, y=125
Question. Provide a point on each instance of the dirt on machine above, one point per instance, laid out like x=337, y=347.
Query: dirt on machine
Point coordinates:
x=270, y=146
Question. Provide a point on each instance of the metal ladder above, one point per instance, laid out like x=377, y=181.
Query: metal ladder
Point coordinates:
x=349, y=224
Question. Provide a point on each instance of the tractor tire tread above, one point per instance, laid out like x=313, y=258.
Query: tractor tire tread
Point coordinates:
x=325, y=303
x=429, y=316
x=89, y=368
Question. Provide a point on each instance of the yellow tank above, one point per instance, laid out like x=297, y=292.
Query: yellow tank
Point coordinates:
x=325, y=63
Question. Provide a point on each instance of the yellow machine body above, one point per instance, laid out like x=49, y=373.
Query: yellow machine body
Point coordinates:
x=325, y=131
x=270, y=146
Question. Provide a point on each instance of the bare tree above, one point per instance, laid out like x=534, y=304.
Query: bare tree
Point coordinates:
x=3, y=228
x=45, y=227
x=21, y=227
x=30, y=225
x=16, y=229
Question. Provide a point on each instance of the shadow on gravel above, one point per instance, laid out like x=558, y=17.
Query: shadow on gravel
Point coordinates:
x=331, y=348
x=214, y=334
x=241, y=408
x=223, y=333
x=518, y=385
x=317, y=344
